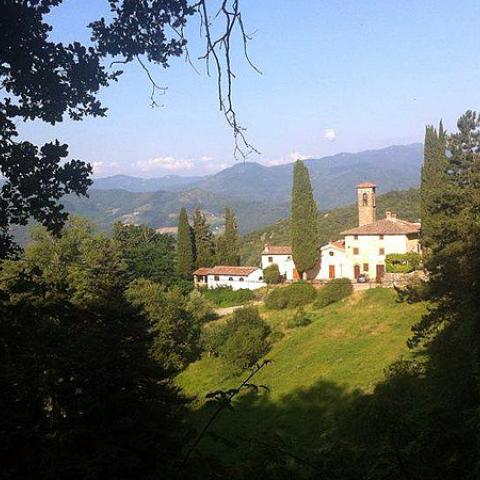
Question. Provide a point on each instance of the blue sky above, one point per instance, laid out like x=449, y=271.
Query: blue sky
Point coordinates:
x=337, y=76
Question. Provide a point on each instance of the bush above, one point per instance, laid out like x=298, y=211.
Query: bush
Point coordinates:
x=213, y=337
x=200, y=307
x=295, y=295
x=333, y=291
x=300, y=319
x=271, y=275
x=226, y=297
x=402, y=262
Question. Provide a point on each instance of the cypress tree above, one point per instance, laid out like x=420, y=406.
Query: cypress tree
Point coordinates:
x=204, y=241
x=228, y=250
x=303, y=221
x=185, y=250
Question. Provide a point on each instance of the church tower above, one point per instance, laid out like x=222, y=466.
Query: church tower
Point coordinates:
x=367, y=203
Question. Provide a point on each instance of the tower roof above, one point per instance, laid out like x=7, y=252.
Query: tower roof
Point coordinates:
x=366, y=185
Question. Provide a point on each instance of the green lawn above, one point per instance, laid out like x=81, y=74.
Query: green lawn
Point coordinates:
x=315, y=372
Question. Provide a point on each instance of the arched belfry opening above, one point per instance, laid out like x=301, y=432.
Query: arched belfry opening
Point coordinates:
x=366, y=202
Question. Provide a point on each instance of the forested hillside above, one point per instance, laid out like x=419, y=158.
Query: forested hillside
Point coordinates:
x=331, y=223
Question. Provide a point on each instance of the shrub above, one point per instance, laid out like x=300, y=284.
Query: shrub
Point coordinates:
x=300, y=319
x=271, y=274
x=213, y=337
x=247, y=338
x=226, y=297
x=200, y=307
x=295, y=295
x=333, y=291
x=402, y=262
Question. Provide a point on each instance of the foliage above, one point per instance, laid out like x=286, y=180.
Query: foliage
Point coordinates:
x=247, y=339
x=402, y=262
x=46, y=80
x=175, y=329
x=300, y=319
x=148, y=254
x=335, y=290
x=227, y=243
x=204, y=241
x=213, y=336
x=75, y=365
x=226, y=297
x=271, y=274
x=200, y=308
x=295, y=295
x=185, y=246
x=303, y=220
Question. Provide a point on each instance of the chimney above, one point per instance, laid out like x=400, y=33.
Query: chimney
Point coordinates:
x=366, y=203
x=392, y=216
x=388, y=215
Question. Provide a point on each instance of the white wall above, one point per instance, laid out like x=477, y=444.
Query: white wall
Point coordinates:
x=284, y=262
x=337, y=258
x=250, y=282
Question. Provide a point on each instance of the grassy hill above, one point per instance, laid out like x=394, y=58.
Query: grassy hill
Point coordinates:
x=316, y=371
x=406, y=203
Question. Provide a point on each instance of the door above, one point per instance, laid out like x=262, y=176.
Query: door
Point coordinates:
x=296, y=275
x=356, y=271
x=380, y=272
x=331, y=271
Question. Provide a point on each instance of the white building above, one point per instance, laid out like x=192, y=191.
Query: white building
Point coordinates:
x=282, y=256
x=229, y=276
x=363, y=249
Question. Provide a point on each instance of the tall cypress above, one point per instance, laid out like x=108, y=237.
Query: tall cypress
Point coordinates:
x=228, y=249
x=303, y=221
x=185, y=249
x=204, y=241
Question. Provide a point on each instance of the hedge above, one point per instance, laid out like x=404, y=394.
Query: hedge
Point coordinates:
x=335, y=290
x=226, y=297
x=292, y=296
x=402, y=262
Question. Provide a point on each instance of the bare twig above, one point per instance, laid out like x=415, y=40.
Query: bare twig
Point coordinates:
x=155, y=86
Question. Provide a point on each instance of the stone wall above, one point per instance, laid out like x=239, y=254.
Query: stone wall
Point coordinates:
x=403, y=279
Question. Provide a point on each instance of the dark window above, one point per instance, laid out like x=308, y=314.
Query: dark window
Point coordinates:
x=289, y=258
x=241, y=279
x=216, y=278
x=356, y=251
x=355, y=237
x=365, y=199
x=331, y=254
x=381, y=251
x=381, y=237
x=230, y=279
x=260, y=278
x=270, y=259
x=365, y=267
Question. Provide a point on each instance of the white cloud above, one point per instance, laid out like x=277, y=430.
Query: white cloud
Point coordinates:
x=103, y=168
x=171, y=164
x=330, y=134
x=289, y=158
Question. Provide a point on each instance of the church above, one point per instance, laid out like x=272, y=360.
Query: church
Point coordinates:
x=362, y=249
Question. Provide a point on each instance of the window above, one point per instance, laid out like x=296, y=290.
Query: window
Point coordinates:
x=260, y=279
x=365, y=267
x=381, y=237
x=356, y=251
x=331, y=254
x=230, y=279
x=365, y=199
x=355, y=237
x=289, y=258
x=216, y=278
x=381, y=251
x=270, y=259
x=241, y=279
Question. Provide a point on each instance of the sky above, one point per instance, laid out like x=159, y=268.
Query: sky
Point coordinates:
x=337, y=76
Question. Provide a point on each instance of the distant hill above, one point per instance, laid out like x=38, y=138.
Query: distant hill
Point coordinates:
x=160, y=209
x=406, y=203
x=333, y=178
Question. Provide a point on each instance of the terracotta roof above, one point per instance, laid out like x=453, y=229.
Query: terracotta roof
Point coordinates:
x=277, y=250
x=366, y=185
x=386, y=226
x=338, y=244
x=226, y=270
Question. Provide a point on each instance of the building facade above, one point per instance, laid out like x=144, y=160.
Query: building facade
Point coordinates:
x=282, y=256
x=234, y=277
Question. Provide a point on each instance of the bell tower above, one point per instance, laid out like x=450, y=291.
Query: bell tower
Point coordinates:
x=367, y=203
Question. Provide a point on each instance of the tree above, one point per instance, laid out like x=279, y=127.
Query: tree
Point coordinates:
x=185, y=258
x=228, y=249
x=148, y=254
x=271, y=274
x=433, y=181
x=303, y=221
x=45, y=80
x=204, y=241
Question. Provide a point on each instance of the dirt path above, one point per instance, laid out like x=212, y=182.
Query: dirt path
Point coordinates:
x=221, y=312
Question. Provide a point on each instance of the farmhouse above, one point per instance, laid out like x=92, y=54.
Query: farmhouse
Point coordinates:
x=363, y=248
x=229, y=276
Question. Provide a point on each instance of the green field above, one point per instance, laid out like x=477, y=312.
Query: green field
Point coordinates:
x=316, y=371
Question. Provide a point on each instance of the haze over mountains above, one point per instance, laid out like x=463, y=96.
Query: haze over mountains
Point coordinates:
x=258, y=194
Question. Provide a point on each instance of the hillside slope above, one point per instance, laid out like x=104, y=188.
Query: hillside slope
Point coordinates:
x=315, y=372
x=406, y=203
